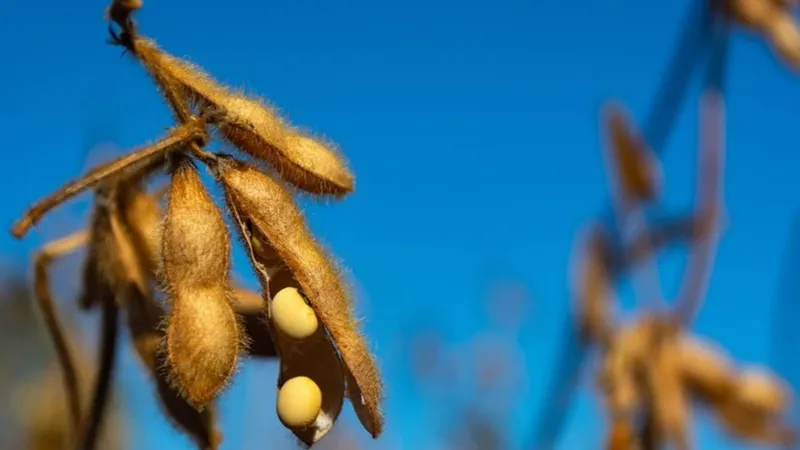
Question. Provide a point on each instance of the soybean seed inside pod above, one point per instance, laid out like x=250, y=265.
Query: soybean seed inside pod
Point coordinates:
x=203, y=335
x=299, y=402
x=271, y=210
x=292, y=316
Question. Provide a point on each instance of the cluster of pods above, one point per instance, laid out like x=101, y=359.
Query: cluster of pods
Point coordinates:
x=163, y=258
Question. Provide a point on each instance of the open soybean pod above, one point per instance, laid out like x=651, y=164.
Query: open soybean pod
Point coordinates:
x=311, y=383
x=203, y=334
x=251, y=126
x=304, y=354
x=270, y=211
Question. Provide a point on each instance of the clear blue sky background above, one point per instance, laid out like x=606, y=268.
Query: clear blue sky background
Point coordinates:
x=472, y=128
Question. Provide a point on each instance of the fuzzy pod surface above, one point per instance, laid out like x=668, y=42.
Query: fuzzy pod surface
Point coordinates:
x=251, y=126
x=203, y=335
x=271, y=210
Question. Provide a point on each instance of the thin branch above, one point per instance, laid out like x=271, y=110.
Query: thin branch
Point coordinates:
x=53, y=250
x=102, y=387
x=178, y=138
x=708, y=209
x=691, y=45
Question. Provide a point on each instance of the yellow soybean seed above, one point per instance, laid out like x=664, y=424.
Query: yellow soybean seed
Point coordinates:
x=299, y=402
x=293, y=317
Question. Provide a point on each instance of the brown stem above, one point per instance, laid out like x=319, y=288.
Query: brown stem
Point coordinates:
x=177, y=139
x=53, y=324
x=102, y=387
x=708, y=209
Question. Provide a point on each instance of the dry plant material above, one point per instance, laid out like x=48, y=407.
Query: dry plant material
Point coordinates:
x=750, y=403
x=632, y=164
x=775, y=21
x=137, y=250
x=203, y=332
x=642, y=376
x=251, y=126
x=286, y=256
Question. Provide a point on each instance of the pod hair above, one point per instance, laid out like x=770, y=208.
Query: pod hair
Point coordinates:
x=142, y=214
x=314, y=357
x=251, y=126
x=203, y=332
x=270, y=210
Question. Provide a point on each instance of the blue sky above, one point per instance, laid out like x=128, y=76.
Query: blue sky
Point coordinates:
x=472, y=129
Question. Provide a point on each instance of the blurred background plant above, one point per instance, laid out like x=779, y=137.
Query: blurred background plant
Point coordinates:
x=34, y=412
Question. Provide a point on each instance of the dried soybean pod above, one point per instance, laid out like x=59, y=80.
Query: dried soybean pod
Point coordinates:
x=142, y=213
x=630, y=159
x=250, y=125
x=144, y=317
x=620, y=435
x=754, y=14
x=94, y=284
x=759, y=389
x=203, y=335
x=590, y=279
x=785, y=36
x=705, y=368
x=314, y=357
x=670, y=404
x=271, y=210
x=751, y=426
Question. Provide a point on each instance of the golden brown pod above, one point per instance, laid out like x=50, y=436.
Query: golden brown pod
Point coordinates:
x=620, y=435
x=669, y=400
x=253, y=127
x=314, y=357
x=144, y=315
x=750, y=426
x=617, y=376
x=270, y=210
x=632, y=163
x=754, y=14
x=590, y=279
x=203, y=335
x=143, y=213
x=705, y=368
x=759, y=389
x=144, y=318
x=785, y=36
